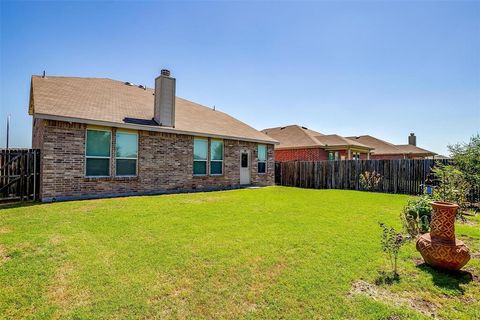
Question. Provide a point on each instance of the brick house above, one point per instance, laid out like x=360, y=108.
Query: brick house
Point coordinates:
x=384, y=150
x=101, y=138
x=300, y=143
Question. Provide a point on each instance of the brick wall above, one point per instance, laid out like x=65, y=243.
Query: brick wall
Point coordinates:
x=165, y=162
x=306, y=154
x=387, y=157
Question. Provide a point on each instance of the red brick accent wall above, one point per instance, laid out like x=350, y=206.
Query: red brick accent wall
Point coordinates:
x=165, y=162
x=306, y=154
x=386, y=157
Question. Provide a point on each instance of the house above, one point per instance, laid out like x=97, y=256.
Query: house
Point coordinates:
x=387, y=150
x=100, y=138
x=300, y=143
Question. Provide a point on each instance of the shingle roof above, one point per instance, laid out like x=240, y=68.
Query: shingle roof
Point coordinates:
x=384, y=147
x=333, y=140
x=114, y=102
x=295, y=136
x=409, y=149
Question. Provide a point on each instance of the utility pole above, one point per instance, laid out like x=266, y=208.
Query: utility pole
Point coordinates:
x=8, y=128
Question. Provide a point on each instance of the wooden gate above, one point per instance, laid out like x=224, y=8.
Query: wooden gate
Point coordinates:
x=19, y=174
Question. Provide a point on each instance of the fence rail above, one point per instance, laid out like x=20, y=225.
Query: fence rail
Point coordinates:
x=398, y=176
x=19, y=174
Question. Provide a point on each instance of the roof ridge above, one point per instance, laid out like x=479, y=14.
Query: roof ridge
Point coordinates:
x=309, y=135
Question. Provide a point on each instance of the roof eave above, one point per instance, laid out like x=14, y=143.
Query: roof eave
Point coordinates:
x=147, y=128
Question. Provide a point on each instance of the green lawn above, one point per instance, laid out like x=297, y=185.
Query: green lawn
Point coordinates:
x=258, y=253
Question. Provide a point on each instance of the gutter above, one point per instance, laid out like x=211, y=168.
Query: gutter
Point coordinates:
x=147, y=128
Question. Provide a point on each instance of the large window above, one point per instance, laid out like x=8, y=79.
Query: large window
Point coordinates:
x=200, y=156
x=262, y=158
x=126, y=153
x=97, y=153
x=216, y=157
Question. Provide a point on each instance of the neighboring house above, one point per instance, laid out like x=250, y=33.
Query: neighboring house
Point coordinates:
x=101, y=137
x=386, y=150
x=300, y=143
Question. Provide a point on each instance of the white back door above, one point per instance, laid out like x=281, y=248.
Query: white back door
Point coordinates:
x=245, y=167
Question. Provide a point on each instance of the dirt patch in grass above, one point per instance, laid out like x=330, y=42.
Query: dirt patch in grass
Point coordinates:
x=376, y=293
x=3, y=255
x=5, y=230
x=56, y=239
x=62, y=294
x=202, y=200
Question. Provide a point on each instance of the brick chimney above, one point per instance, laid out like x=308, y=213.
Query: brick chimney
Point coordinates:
x=412, y=139
x=164, y=112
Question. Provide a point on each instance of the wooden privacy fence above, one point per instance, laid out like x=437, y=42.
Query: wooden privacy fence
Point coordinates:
x=19, y=174
x=397, y=176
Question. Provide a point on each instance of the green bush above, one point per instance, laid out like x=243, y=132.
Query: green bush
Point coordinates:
x=453, y=186
x=417, y=215
x=466, y=158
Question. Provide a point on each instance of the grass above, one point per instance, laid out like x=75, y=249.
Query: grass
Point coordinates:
x=258, y=253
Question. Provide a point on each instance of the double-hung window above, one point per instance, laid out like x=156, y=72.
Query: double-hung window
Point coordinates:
x=126, y=153
x=333, y=155
x=97, y=153
x=216, y=157
x=200, y=156
x=262, y=158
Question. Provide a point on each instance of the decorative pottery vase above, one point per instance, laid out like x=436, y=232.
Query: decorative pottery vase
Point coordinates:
x=439, y=248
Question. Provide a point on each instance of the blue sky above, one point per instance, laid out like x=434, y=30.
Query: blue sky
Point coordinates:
x=351, y=68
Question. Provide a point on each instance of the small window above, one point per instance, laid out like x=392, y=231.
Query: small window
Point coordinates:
x=97, y=153
x=262, y=158
x=126, y=148
x=244, y=160
x=216, y=157
x=200, y=152
x=333, y=155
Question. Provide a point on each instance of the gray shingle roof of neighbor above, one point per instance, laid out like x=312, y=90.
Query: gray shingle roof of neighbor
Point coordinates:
x=384, y=147
x=295, y=136
x=111, y=102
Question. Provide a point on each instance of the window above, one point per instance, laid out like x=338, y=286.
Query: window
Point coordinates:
x=216, y=157
x=333, y=155
x=244, y=160
x=97, y=153
x=200, y=152
x=126, y=152
x=262, y=158
x=356, y=156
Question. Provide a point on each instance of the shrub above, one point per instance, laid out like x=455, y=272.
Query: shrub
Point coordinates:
x=370, y=180
x=392, y=241
x=466, y=157
x=452, y=187
x=416, y=215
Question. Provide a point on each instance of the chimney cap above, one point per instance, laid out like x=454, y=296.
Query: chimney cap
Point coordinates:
x=165, y=72
x=412, y=134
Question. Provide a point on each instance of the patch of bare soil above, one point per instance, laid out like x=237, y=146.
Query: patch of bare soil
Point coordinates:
x=200, y=200
x=5, y=230
x=3, y=254
x=63, y=294
x=376, y=293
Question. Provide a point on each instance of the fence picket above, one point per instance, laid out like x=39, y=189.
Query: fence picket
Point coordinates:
x=398, y=176
x=20, y=174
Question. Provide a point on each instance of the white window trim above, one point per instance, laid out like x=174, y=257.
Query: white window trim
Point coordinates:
x=206, y=160
x=264, y=161
x=126, y=158
x=98, y=157
x=210, y=157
